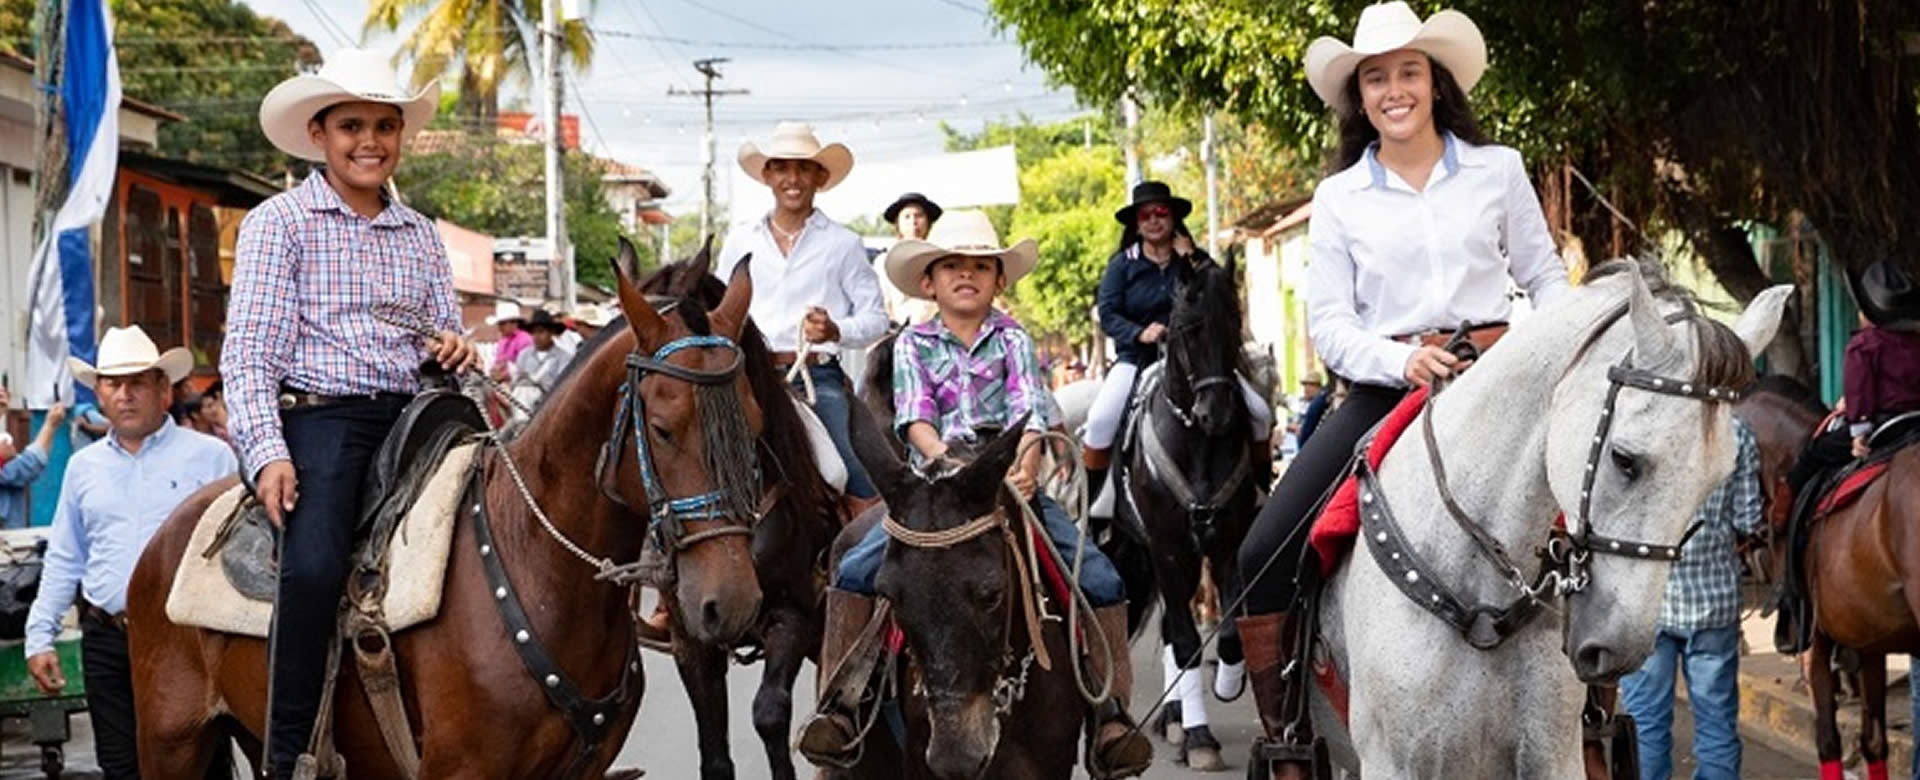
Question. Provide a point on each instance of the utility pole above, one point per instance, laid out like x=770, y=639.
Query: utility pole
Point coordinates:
x=559, y=267
x=708, y=67
x=1131, y=112
x=1211, y=160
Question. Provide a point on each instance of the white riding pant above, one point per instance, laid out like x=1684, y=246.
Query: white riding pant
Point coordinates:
x=1110, y=407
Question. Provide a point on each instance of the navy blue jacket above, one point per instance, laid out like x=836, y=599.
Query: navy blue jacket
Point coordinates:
x=1135, y=293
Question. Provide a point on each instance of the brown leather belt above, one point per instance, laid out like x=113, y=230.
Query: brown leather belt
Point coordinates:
x=290, y=399
x=90, y=612
x=785, y=360
x=1481, y=336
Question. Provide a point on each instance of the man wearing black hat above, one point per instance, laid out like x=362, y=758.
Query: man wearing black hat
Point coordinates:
x=912, y=215
x=537, y=368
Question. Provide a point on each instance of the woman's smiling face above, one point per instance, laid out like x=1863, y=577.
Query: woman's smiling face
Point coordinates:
x=1396, y=91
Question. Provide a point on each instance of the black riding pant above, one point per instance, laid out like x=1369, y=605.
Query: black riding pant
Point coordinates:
x=1279, y=535
x=109, y=676
x=331, y=447
x=1826, y=451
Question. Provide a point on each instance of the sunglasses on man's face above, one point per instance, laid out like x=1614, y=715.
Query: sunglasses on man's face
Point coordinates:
x=1155, y=212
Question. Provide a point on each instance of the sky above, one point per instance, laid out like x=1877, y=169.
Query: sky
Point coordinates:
x=877, y=75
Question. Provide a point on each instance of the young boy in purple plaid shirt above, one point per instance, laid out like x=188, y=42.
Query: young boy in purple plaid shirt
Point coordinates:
x=962, y=377
x=314, y=378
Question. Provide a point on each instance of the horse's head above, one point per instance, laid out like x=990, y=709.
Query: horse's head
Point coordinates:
x=1640, y=434
x=1203, y=346
x=950, y=576
x=685, y=456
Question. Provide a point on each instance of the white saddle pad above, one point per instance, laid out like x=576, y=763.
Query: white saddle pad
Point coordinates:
x=832, y=468
x=203, y=597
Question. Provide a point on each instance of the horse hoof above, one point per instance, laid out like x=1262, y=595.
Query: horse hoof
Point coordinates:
x=1205, y=759
x=1169, y=726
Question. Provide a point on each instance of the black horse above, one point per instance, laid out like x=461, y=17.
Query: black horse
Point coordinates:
x=1189, y=477
x=789, y=544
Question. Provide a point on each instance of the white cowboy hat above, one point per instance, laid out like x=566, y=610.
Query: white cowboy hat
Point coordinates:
x=128, y=351
x=349, y=75
x=1449, y=37
x=958, y=233
x=506, y=311
x=592, y=315
x=795, y=141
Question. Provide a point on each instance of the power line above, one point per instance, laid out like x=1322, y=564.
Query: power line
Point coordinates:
x=333, y=28
x=802, y=46
x=966, y=7
x=841, y=50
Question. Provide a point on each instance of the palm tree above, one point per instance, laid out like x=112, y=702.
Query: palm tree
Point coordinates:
x=489, y=40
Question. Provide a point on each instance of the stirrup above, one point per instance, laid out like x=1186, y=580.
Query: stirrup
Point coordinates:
x=1106, y=713
x=845, y=755
x=1313, y=756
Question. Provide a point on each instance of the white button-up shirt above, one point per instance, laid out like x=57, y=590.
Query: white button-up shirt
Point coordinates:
x=1387, y=260
x=111, y=502
x=828, y=269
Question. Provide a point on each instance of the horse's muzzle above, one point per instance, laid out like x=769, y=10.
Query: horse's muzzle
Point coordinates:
x=1597, y=664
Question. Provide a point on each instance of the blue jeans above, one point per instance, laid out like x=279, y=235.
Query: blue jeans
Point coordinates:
x=1098, y=578
x=832, y=403
x=1711, y=659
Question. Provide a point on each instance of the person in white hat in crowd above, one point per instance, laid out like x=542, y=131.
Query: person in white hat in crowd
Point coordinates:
x=113, y=498
x=511, y=321
x=1421, y=226
x=589, y=318
x=812, y=287
x=961, y=266
x=316, y=369
x=20, y=467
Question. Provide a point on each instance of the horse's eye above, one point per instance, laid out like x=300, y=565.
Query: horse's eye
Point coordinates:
x=988, y=596
x=661, y=433
x=1627, y=463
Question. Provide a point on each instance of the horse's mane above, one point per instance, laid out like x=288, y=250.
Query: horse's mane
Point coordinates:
x=1790, y=390
x=1218, y=312
x=1720, y=357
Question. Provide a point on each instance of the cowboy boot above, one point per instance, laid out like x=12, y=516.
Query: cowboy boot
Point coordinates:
x=830, y=737
x=1264, y=638
x=1117, y=748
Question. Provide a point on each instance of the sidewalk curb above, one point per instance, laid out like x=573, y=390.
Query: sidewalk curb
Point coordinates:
x=1772, y=710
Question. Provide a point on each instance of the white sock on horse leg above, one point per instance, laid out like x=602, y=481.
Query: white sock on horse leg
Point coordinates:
x=1170, y=671
x=1227, y=679
x=1193, y=698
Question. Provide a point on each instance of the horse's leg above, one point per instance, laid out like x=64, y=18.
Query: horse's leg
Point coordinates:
x=788, y=636
x=703, y=671
x=1826, y=733
x=1230, y=678
x=1873, y=714
x=1178, y=570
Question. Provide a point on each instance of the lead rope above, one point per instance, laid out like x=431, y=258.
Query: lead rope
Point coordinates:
x=801, y=350
x=1076, y=492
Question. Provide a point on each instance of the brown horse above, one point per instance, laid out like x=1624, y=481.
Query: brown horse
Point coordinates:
x=789, y=543
x=1862, y=566
x=474, y=708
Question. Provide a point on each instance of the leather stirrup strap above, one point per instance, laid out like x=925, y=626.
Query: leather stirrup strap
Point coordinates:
x=850, y=675
x=373, y=653
x=320, y=759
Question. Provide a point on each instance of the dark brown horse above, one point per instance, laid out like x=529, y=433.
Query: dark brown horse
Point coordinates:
x=975, y=701
x=1862, y=566
x=474, y=708
x=789, y=546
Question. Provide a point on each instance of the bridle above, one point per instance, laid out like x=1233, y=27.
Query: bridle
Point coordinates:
x=1564, y=570
x=667, y=515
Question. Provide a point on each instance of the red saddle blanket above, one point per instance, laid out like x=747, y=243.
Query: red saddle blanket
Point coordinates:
x=1850, y=488
x=1334, y=530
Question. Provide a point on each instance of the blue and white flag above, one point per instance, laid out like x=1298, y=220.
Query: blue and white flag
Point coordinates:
x=61, y=321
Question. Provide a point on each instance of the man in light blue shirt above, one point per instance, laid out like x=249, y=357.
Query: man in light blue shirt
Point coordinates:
x=115, y=496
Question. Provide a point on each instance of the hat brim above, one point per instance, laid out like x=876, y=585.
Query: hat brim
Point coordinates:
x=1181, y=208
x=287, y=109
x=835, y=157
x=1883, y=307
x=1449, y=37
x=176, y=363
x=497, y=320
x=892, y=214
x=907, y=262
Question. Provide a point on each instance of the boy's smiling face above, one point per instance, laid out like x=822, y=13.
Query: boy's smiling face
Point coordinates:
x=963, y=284
x=362, y=142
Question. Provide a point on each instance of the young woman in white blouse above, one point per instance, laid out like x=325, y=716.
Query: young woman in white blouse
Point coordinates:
x=1419, y=229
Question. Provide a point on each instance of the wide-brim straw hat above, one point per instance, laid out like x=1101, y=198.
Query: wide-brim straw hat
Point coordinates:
x=129, y=351
x=1449, y=37
x=349, y=76
x=592, y=315
x=796, y=141
x=506, y=311
x=967, y=233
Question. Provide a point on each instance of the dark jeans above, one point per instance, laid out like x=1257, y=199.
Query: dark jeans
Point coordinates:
x=331, y=448
x=1279, y=528
x=832, y=402
x=109, y=676
x=1829, y=450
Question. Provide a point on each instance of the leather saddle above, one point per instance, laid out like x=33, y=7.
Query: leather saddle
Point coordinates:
x=432, y=423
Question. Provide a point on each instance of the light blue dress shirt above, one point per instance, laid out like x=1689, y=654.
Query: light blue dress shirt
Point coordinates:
x=111, y=503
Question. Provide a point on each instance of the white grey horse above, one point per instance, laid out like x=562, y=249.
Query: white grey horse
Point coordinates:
x=1517, y=434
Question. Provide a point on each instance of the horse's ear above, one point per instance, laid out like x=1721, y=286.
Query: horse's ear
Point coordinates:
x=648, y=328
x=731, y=314
x=1183, y=273
x=1232, y=264
x=983, y=476
x=1654, y=342
x=693, y=271
x=870, y=446
x=627, y=263
x=1761, y=320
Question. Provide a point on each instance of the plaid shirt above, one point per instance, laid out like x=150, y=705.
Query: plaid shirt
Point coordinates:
x=307, y=274
x=1704, y=589
x=938, y=380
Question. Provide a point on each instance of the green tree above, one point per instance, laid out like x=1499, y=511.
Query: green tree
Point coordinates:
x=1699, y=115
x=208, y=60
x=488, y=41
x=484, y=184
